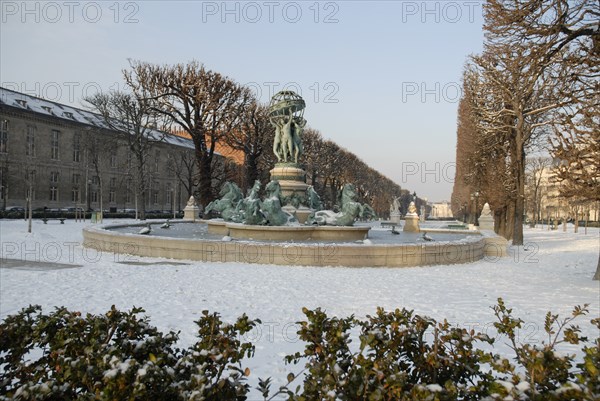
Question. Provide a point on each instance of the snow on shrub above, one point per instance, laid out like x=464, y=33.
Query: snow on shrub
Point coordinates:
x=398, y=355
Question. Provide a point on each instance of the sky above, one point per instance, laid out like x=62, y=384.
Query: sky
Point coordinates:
x=380, y=78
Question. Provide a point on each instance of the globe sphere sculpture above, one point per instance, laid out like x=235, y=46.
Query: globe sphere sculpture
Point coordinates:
x=285, y=102
x=286, y=114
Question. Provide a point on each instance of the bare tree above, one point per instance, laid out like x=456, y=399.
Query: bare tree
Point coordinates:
x=204, y=103
x=183, y=165
x=537, y=168
x=523, y=66
x=98, y=146
x=134, y=119
x=577, y=145
x=253, y=136
x=467, y=175
x=30, y=173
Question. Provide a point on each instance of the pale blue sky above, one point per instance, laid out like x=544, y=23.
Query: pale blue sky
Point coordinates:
x=380, y=78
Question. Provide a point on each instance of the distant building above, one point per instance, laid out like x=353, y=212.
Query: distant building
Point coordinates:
x=44, y=149
x=440, y=210
x=550, y=205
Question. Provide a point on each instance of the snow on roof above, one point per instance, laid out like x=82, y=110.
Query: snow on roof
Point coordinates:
x=46, y=107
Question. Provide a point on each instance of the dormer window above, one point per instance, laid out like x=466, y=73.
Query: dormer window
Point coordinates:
x=48, y=109
x=68, y=114
x=22, y=103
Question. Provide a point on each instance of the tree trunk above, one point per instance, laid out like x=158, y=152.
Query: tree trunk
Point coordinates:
x=29, y=210
x=251, y=166
x=205, y=179
x=517, y=235
x=510, y=218
x=597, y=275
x=141, y=198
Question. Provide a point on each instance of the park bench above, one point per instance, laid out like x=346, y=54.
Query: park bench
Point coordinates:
x=389, y=224
x=62, y=219
x=457, y=226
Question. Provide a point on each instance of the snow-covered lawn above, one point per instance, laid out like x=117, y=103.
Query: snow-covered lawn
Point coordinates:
x=553, y=272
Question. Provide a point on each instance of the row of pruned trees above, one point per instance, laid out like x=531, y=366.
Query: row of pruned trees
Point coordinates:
x=216, y=112
x=534, y=87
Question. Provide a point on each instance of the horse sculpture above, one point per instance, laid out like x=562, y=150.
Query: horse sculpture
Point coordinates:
x=249, y=208
x=349, y=210
x=271, y=207
x=231, y=196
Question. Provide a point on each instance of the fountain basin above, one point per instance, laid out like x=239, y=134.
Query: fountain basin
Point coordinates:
x=126, y=246
x=288, y=233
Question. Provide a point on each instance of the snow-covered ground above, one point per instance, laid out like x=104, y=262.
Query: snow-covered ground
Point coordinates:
x=552, y=272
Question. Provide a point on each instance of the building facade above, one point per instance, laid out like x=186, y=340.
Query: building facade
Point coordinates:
x=549, y=205
x=67, y=157
x=440, y=210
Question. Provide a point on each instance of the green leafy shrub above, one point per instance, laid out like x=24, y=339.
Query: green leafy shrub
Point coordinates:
x=403, y=356
x=395, y=355
x=119, y=356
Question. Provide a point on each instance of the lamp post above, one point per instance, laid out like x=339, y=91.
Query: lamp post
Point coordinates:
x=87, y=195
x=173, y=203
x=30, y=201
x=474, y=200
x=476, y=208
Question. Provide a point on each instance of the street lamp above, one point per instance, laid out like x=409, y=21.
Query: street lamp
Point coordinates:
x=474, y=200
x=87, y=195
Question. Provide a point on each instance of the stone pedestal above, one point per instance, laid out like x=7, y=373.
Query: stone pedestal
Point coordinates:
x=292, y=180
x=302, y=214
x=395, y=217
x=486, y=220
x=486, y=223
x=191, y=212
x=411, y=223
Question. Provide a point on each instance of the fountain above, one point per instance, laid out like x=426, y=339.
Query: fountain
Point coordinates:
x=291, y=209
x=288, y=226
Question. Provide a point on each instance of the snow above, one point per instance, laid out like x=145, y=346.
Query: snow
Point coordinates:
x=554, y=274
x=436, y=388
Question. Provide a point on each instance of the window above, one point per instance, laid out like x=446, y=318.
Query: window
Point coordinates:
x=77, y=148
x=30, y=144
x=53, y=193
x=3, y=136
x=96, y=180
x=75, y=195
x=156, y=160
x=169, y=193
x=155, y=192
x=54, y=144
x=128, y=191
x=129, y=160
x=112, y=194
x=54, y=185
x=75, y=192
x=3, y=181
x=113, y=160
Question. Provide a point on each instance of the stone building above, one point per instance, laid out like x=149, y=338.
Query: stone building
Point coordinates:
x=440, y=210
x=550, y=205
x=49, y=149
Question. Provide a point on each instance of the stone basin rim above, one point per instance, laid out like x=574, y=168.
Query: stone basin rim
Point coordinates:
x=293, y=254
